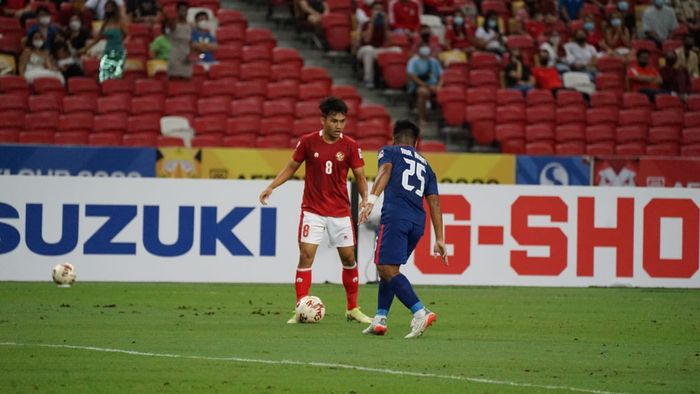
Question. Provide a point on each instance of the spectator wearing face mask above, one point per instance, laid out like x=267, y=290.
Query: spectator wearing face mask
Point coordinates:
x=674, y=79
x=404, y=16
x=629, y=20
x=518, y=75
x=425, y=78
x=580, y=55
x=546, y=74
x=75, y=34
x=570, y=9
x=489, y=35
x=160, y=46
x=688, y=57
x=593, y=34
x=458, y=36
x=617, y=37
x=373, y=40
x=35, y=61
x=48, y=29
x=554, y=49
x=427, y=38
x=203, y=42
x=658, y=22
x=643, y=77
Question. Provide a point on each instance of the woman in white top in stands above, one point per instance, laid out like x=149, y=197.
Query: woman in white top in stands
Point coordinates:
x=36, y=62
x=489, y=35
x=580, y=55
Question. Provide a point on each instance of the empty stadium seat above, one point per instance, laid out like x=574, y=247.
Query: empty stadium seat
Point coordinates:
x=225, y=70
x=113, y=104
x=44, y=103
x=254, y=72
x=105, y=139
x=452, y=101
x=509, y=96
x=540, y=97
x=110, y=123
x=211, y=124
x=41, y=121
x=570, y=98
x=600, y=133
x=181, y=106
x=630, y=149
x=481, y=95
x=71, y=138
x=36, y=137
x=337, y=28
x=140, y=139
x=570, y=132
x=393, y=68
x=667, y=101
x=117, y=86
x=287, y=56
x=539, y=148
x=47, y=85
x=570, y=148
x=247, y=106
x=604, y=99
x=143, y=124
x=147, y=105
x=208, y=140
x=76, y=122
x=214, y=106
x=83, y=86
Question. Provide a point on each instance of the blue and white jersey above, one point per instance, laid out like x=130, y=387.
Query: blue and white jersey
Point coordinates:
x=411, y=179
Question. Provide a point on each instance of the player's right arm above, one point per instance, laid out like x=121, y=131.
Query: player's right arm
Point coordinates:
x=436, y=217
x=283, y=176
x=378, y=187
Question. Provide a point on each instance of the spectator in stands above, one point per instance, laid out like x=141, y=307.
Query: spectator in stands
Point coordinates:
x=76, y=6
x=48, y=29
x=686, y=11
x=644, y=77
x=160, y=46
x=427, y=38
x=594, y=37
x=113, y=31
x=179, y=64
x=404, y=16
x=313, y=11
x=35, y=61
x=618, y=38
x=628, y=17
x=66, y=62
x=580, y=55
x=658, y=22
x=203, y=42
x=425, y=78
x=98, y=8
x=363, y=11
x=142, y=11
x=518, y=75
x=546, y=74
x=489, y=35
x=674, y=79
x=76, y=35
x=373, y=41
x=554, y=48
x=688, y=57
x=569, y=9
x=457, y=35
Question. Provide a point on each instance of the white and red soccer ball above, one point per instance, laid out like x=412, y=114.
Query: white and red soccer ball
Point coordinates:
x=63, y=274
x=310, y=309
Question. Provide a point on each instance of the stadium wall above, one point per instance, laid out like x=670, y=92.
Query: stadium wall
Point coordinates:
x=149, y=229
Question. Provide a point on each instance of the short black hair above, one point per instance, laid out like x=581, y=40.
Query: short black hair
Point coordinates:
x=41, y=9
x=642, y=51
x=200, y=13
x=406, y=128
x=182, y=3
x=332, y=105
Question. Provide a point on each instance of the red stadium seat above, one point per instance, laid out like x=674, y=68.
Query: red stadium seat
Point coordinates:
x=484, y=61
x=71, y=138
x=79, y=121
x=604, y=99
x=693, y=103
x=287, y=56
x=602, y=115
x=149, y=87
x=228, y=69
x=287, y=71
x=227, y=17
x=279, y=109
x=510, y=131
x=234, y=34
x=539, y=132
x=48, y=85
x=212, y=124
x=667, y=101
x=257, y=54
x=337, y=28
x=373, y=128
x=143, y=124
x=631, y=149
x=13, y=83
x=481, y=95
x=316, y=75
x=254, y=72
x=258, y=36
x=12, y=102
x=600, y=133
x=305, y=126
x=147, y=105
x=452, y=101
x=663, y=149
x=690, y=150
x=611, y=65
x=247, y=106
x=214, y=106
x=609, y=82
x=113, y=104
x=83, y=86
x=514, y=113
x=541, y=114
x=664, y=134
x=667, y=117
x=567, y=98
x=276, y=125
x=288, y=89
x=525, y=44
x=539, y=97
x=632, y=133
x=509, y=96
x=208, y=140
x=393, y=67
x=181, y=88
x=276, y=141
x=117, y=86
x=229, y=53
x=690, y=136
x=570, y=148
x=254, y=88
x=110, y=123
x=570, y=132
x=374, y=111
x=432, y=146
x=41, y=121
x=539, y=148
x=313, y=91
x=239, y=140
x=13, y=120
x=36, y=137
x=218, y=88
x=602, y=148
x=513, y=146
x=340, y=6
x=691, y=120
x=9, y=136
x=140, y=139
x=180, y=106
x=635, y=100
x=44, y=103
x=487, y=77
x=243, y=125
x=571, y=114
x=167, y=141
x=105, y=139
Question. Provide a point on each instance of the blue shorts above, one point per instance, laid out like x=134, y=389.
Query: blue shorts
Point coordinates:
x=396, y=241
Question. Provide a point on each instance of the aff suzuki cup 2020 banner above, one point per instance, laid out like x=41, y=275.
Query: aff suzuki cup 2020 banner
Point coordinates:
x=117, y=229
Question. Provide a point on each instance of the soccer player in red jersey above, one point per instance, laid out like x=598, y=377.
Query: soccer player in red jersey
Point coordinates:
x=325, y=208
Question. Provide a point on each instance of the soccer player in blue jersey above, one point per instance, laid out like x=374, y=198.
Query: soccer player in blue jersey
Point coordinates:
x=406, y=178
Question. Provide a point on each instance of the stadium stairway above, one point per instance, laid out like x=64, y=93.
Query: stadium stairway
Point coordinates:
x=340, y=69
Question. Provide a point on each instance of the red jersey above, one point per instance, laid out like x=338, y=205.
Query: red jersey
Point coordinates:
x=648, y=71
x=327, y=165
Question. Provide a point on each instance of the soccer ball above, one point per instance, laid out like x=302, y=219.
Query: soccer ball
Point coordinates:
x=63, y=274
x=310, y=309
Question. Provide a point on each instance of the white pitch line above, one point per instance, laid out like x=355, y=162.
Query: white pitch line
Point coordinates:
x=314, y=364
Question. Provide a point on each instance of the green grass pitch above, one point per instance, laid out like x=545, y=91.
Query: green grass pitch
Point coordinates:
x=218, y=337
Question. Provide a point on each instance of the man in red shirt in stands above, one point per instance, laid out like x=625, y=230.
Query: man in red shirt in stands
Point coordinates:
x=546, y=74
x=405, y=15
x=325, y=208
x=644, y=77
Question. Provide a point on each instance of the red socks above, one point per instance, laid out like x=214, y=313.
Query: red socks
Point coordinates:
x=351, y=282
x=302, y=284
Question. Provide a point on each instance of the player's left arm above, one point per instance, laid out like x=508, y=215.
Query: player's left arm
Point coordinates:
x=433, y=199
x=378, y=187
